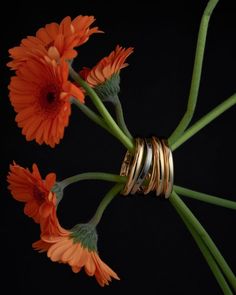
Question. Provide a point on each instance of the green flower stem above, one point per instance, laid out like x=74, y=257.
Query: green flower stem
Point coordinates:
x=217, y=111
x=204, y=197
x=93, y=176
x=177, y=202
x=115, y=129
x=196, y=76
x=105, y=202
x=207, y=255
x=90, y=114
x=120, y=117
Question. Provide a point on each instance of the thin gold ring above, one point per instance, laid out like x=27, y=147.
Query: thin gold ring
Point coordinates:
x=160, y=176
x=171, y=174
x=132, y=171
x=144, y=168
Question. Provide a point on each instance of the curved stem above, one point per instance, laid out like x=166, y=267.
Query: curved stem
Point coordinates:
x=176, y=201
x=196, y=76
x=116, y=131
x=90, y=114
x=92, y=176
x=105, y=202
x=207, y=255
x=205, y=120
x=120, y=117
x=204, y=197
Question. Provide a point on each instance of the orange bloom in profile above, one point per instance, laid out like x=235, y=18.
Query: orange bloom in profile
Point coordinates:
x=78, y=248
x=107, y=67
x=40, y=94
x=35, y=192
x=54, y=40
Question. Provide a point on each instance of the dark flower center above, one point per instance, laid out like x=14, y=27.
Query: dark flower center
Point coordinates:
x=51, y=97
x=38, y=196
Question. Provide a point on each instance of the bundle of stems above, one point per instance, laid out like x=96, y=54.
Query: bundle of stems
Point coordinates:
x=219, y=267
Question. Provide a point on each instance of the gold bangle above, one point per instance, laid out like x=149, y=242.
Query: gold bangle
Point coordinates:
x=144, y=167
x=134, y=167
x=166, y=167
x=138, y=164
x=160, y=175
x=171, y=174
x=152, y=175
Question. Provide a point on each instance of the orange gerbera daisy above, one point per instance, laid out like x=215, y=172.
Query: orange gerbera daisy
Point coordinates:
x=55, y=40
x=78, y=248
x=104, y=77
x=30, y=188
x=40, y=94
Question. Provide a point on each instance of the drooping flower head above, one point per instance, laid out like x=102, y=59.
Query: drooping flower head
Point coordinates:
x=41, y=197
x=54, y=40
x=104, y=76
x=40, y=94
x=78, y=248
x=35, y=192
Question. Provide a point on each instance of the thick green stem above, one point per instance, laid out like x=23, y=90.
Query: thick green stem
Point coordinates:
x=90, y=114
x=228, y=103
x=120, y=117
x=116, y=131
x=92, y=176
x=204, y=197
x=196, y=76
x=193, y=221
x=105, y=202
x=207, y=255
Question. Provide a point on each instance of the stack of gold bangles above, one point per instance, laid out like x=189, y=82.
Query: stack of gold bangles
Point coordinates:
x=150, y=168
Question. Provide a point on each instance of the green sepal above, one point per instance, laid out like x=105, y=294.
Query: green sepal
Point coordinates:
x=109, y=90
x=86, y=235
x=58, y=190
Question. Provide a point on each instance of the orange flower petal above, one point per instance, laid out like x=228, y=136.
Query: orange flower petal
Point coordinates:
x=41, y=246
x=57, y=250
x=108, y=66
x=69, y=253
x=76, y=269
x=50, y=180
x=90, y=266
x=53, y=53
x=77, y=256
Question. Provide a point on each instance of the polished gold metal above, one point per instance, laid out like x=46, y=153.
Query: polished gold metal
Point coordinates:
x=124, y=170
x=138, y=164
x=171, y=175
x=166, y=167
x=144, y=167
x=152, y=176
x=132, y=169
x=161, y=168
x=150, y=168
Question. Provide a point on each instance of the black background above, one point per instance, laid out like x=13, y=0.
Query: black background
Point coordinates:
x=142, y=239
